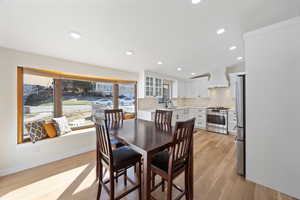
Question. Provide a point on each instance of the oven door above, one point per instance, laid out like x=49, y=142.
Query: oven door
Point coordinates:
x=217, y=119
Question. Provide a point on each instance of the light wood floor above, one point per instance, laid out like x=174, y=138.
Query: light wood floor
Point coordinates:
x=74, y=178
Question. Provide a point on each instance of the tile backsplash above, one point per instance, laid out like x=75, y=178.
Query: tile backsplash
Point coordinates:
x=217, y=97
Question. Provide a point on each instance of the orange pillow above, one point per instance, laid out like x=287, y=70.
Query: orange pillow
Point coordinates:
x=50, y=129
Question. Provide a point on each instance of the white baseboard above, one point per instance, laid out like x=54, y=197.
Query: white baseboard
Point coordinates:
x=273, y=187
x=43, y=162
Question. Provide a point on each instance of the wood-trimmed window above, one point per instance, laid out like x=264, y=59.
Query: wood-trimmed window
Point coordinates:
x=44, y=94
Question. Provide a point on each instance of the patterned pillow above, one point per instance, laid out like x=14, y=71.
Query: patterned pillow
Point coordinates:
x=36, y=130
x=62, y=125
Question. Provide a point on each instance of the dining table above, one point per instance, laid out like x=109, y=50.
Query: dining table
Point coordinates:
x=143, y=137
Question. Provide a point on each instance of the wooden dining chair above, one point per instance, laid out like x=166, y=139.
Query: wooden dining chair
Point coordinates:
x=163, y=120
x=170, y=164
x=114, y=118
x=116, y=161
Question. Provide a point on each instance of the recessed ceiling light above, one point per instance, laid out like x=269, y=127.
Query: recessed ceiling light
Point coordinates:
x=159, y=62
x=129, y=53
x=232, y=48
x=75, y=35
x=220, y=31
x=179, y=69
x=196, y=1
x=239, y=58
x=193, y=74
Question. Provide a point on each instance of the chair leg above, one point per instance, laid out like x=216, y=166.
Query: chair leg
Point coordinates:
x=99, y=190
x=163, y=185
x=117, y=177
x=97, y=164
x=100, y=181
x=125, y=177
x=186, y=183
x=140, y=180
x=112, y=186
x=153, y=179
x=169, y=189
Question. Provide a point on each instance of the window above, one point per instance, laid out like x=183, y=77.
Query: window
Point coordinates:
x=80, y=97
x=127, y=99
x=44, y=94
x=38, y=99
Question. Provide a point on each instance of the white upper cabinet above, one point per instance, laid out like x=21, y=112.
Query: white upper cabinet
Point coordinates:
x=149, y=87
x=196, y=88
x=202, y=87
x=179, y=89
x=158, y=87
x=152, y=84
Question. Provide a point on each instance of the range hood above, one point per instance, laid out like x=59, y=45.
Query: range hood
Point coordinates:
x=218, y=78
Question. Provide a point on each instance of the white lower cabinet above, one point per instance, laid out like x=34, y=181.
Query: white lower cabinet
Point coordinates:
x=180, y=115
x=232, y=122
x=200, y=115
x=146, y=115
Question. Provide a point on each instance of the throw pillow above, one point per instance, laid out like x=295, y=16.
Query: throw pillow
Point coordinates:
x=50, y=129
x=36, y=130
x=62, y=125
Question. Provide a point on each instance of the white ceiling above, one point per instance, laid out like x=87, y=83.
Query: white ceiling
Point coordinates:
x=173, y=31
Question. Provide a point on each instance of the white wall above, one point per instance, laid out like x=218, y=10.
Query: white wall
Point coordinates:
x=273, y=106
x=15, y=157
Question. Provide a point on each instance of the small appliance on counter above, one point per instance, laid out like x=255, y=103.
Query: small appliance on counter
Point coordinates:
x=217, y=119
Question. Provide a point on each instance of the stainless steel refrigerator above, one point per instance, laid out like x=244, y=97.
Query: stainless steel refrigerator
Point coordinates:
x=241, y=125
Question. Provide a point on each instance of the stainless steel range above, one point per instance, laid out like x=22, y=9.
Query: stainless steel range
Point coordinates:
x=217, y=119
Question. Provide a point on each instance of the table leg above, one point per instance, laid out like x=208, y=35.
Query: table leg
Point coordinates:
x=147, y=177
x=191, y=173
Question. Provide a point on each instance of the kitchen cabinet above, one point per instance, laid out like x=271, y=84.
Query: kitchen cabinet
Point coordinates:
x=149, y=87
x=200, y=115
x=179, y=89
x=158, y=85
x=146, y=115
x=182, y=114
x=197, y=88
x=179, y=115
x=152, y=84
x=232, y=122
x=153, y=87
x=202, y=87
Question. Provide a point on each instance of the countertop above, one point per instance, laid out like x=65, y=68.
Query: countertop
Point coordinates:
x=179, y=108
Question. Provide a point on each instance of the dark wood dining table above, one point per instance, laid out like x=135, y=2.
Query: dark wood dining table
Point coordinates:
x=145, y=138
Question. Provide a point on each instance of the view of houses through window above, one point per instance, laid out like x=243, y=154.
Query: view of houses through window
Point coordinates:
x=80, y=99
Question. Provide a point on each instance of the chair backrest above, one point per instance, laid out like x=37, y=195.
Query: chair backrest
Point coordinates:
x=114, y=118
x=103, y=141
x=163, y=119
x=181, y=144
